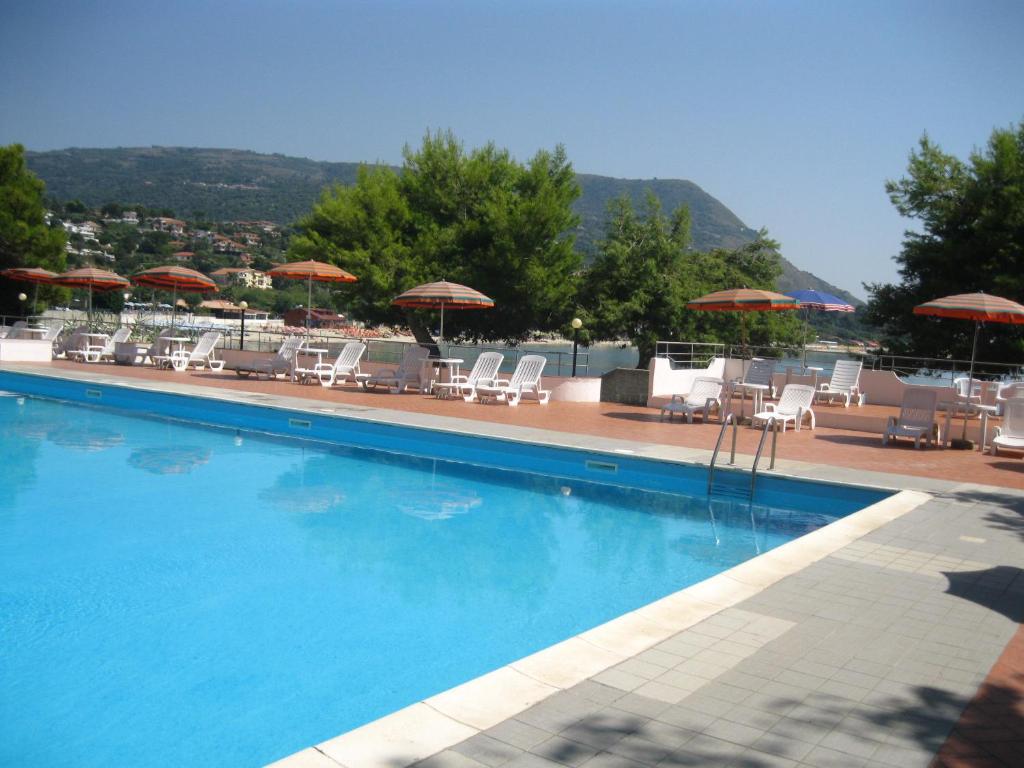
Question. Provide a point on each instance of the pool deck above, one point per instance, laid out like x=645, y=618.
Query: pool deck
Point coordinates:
x=891, y=638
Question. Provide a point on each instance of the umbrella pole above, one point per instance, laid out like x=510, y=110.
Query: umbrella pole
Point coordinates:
x=309, y=304
x=807, y=321
x=35, y=295
x=970, y=376
x=174, y=306
x=440, y=339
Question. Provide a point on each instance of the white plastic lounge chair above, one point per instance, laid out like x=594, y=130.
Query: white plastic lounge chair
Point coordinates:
x=407, y=374
x=159, y=352
x=757, y=381
x=281, y=363
x=525, y=381
x=73, y=345
x=483, y=372
x=1010, y=434
x=95, y=353
x=346, y=366
x=200, y=356
x=1007, y=391
x=14, y=332
x=53, y=331
x=705, y=394
x=794, y=404
x=917, y=417
x=845, y=383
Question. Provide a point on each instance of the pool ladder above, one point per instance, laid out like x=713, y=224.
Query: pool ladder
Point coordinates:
x=771, y=423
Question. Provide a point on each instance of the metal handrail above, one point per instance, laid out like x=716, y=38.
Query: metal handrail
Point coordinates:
x=769, y=423
x=730, y=417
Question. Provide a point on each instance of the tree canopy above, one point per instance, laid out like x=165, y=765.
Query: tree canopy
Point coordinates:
x=478, y=218
x=971, y=238
x=645, y=273
x=25, y=238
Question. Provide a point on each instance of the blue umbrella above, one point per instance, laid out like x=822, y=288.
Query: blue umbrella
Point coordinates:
x=824, y=302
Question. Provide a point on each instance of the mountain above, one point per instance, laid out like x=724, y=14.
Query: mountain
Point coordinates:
x=232, y=185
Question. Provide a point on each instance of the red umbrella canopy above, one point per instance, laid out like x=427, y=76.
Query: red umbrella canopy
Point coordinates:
x=92, y=278
x=30, y=274
x=743, y=300
x=312, y=270
x=175, y=278
x=979, y=307
x=444, y=295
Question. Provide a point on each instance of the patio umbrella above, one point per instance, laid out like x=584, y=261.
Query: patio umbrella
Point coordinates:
x=979, y=307
x=310, y=271
x=92, y=278
x=440, y=295
x=821, y=301
x=743, y=300
x=175, y=279
x=34, y=275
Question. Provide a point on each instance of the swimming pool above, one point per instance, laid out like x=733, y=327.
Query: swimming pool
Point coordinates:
x=175, y=593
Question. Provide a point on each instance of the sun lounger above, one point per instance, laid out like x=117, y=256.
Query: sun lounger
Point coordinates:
x=1010, y=434
x=845, y=383
x=280, y=364
x=917, y=417
x=1007, y=391
x=159, y=352
x=72, y=345
x=705, y=394
x=525, y=382
x=794, y=404
x=346, y=366
x=95, y=353
x=14, y=332
x=407, y=374
x=483, y=373
x=202, y=355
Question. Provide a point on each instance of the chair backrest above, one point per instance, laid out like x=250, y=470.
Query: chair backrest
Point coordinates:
x=160, y=346
x=918, y=407
x=1010, y=390
x=1013, y=417
x=845, y=375
x=486, y=367
x=14, y=332
x=53, y=331
x=350, y=355
x=528, y=370
x=289, y=348
x=965, y=387
x=412, y=360
x=795, y=398
x=121, y=335
x=205, y=345
x=760, y=372
x=704, y=387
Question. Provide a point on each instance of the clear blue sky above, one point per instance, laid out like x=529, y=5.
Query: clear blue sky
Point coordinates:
x=793, y=114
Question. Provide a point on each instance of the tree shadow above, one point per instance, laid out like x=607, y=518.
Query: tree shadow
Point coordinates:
x=645, y=418
x=988, y=588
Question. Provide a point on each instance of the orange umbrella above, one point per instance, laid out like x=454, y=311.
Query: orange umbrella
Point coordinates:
x=443, y=294
x=34, y=275
x=175, y=278
x=979, y=307
x=310, y=271
x=92, y=278
x=743, y=300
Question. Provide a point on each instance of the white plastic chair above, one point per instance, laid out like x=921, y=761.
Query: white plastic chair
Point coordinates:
x=705, y=394
x=845, y=383
x=14, y=332
x=159, y=352
x=347, y=365
x=200, y=356
x=281, y=363
x=95, y=353
x=53, y=331
x=758, y=380
x=1007, y=391
x=407, y=374
x=794, y=404
x=483, y=373
x=72, y=346
x=1010, y=434
x=917, y=417
x=525, y=381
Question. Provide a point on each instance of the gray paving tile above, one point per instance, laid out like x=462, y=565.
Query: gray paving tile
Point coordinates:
x=607, y=760
x=734, y=732
x=753, y=758
x=528, y=760
x=686, y=718
x=449, y=759
x=518, y=734
x=565, y=751
x=487, y=750
x=703, y=750
x=851, y=744
x=822, y=757
x=794, y=749
x=641, y=750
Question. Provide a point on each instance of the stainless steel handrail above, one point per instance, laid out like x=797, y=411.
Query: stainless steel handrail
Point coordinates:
x=769, y=423
x=730, y=417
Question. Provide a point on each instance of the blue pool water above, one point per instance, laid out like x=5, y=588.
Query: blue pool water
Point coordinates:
x=175, y=594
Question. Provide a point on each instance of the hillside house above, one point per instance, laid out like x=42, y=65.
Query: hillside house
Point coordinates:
x=164, y=224
x=248, y=278
x=318, y=318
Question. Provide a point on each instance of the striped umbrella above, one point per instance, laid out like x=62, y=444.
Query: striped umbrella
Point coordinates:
x=743, y=300
x=175, y=278
x=979, y=307
x=441, y=295
x=821, y=301
x=92, y=278
x=310, y=271
x=34, y=275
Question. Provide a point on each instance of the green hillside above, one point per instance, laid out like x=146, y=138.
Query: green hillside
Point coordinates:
x=233, y=185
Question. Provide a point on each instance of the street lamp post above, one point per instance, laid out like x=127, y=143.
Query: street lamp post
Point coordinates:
x=22, y=297
x=244, y=305
x=576, y=325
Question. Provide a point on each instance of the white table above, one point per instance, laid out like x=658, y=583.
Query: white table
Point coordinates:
x=967, y=409
x=306, y=350
x=94, y=345
x=34, y=332
x=436, y=364
x=756, y=392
